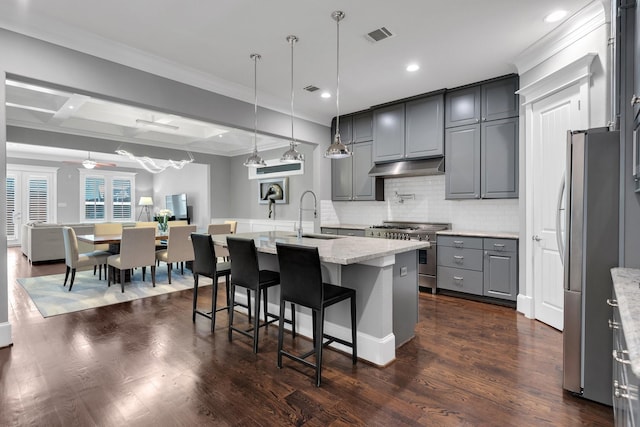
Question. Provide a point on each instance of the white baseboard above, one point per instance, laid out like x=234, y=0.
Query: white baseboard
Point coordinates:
x=5, y=334
x=525, y=306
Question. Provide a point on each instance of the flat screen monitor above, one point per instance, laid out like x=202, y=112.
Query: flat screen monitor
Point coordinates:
x=177, y=203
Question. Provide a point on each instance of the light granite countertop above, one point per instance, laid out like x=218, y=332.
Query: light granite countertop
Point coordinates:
x=626, y=282
x=334, y=249
x=346, y=226
x=488, y=234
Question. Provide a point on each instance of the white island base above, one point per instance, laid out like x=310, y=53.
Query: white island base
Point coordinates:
x=386, y=288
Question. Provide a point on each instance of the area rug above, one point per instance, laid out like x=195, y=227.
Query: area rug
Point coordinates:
x=52, y=299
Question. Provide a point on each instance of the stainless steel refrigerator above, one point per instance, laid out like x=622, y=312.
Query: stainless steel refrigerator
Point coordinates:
x=590, y=250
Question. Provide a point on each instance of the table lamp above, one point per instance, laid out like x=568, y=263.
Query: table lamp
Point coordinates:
x=145, y=202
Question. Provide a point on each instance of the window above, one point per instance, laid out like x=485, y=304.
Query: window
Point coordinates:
x=11, y=206
x=38, y=199
x=106, y=196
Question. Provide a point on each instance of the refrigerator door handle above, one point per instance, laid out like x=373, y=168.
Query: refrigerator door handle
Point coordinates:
x=559, y=210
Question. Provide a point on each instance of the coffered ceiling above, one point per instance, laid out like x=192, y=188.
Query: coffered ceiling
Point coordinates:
x=207, y=44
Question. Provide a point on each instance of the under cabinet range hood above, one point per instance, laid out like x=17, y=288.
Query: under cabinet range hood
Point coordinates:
x=408, y=168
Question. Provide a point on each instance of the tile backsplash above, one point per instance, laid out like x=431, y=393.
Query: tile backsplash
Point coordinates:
x=428, y=204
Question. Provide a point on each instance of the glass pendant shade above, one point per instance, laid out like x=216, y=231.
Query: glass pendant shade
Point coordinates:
x=254, y=160
x=337, y=150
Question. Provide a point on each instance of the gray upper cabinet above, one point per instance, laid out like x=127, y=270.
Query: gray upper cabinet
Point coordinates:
x=462, y=162
x=463, y=107
x=499, y=159
x=342, y=178
x=346, y=129
x=388, y=133
x=363, y=127
x=499, y=99
x=424, y=127
x=363, y=184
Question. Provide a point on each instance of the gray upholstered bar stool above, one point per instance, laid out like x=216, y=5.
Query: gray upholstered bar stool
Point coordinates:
x=301, y=283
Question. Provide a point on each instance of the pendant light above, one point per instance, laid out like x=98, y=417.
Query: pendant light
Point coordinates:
x=254, y=160
x=291, y=155
x=337, y=150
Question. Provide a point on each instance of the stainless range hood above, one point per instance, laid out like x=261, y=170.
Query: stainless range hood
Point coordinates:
x=408, y=168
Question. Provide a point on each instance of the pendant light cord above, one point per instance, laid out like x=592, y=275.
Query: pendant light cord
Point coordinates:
x=292, y=41
x=255, y=101
x=338, y=17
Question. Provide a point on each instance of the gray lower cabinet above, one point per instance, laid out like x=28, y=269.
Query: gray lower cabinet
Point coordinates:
x=328, y=230
x=626, y=399
x=478, y=266
x=354, y=232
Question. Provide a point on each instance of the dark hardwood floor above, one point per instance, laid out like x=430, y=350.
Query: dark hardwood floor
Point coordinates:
x=145, y=363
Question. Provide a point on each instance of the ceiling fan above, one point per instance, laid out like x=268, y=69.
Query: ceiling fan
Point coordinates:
x=89, y=163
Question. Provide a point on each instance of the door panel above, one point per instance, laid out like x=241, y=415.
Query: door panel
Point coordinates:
x=552, y=118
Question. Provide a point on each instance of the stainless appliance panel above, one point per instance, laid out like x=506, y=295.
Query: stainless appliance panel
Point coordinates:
x=571, y=342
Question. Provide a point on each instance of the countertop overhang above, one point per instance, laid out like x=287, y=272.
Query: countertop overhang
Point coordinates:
x=333, y=249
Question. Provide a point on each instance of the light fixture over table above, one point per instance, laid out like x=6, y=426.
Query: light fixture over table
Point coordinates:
x=337, y=150
x=254, y=160
x=292, y=155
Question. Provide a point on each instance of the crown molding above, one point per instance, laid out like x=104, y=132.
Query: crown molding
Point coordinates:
x=573, y=29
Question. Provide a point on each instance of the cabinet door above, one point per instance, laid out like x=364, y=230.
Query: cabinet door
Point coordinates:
x=424, y=132
x=346, y=129
x=341, y=178
x=462, y=162
x=462, y=107
x=363, y=127
x=500, y=279
x=363, y=184
x=388, y=133
x=499, y=99
x=499, y=162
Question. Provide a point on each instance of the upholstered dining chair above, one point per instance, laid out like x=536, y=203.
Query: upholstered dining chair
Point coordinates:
x=177, y=222
x=179, y=248
x=75, y=260
x=103, y=229
x=234, y=226
x=205, y=264
x=137, y=249
x=301, y=283
x=151, y=224
x=246, y=273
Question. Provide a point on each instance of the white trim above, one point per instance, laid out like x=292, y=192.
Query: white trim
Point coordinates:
x=573, y=29
x=525, y=306
x=13, y=167
x=5, y=334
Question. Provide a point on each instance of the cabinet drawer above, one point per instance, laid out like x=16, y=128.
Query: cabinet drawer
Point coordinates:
x=460, y=242
x=350, y=232
x=457, y=279
x=500, y=245
x=325, y=230
x=470, y=259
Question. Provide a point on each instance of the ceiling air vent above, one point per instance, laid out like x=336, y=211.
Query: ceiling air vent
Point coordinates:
x=379, y=34
x=311, y=88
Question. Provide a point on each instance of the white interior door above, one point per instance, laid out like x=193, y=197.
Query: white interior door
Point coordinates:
x=552, y=117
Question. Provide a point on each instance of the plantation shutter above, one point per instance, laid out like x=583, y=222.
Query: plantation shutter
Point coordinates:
x=38, y=199
x=122, y=207
x=94, y=198
x=11, y=207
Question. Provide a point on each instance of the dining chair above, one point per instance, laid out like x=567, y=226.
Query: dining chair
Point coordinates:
x=179, y=248
x=137, y=249
x=234, y=226
x=246, y=273
x=301, y=283
x=205, y=264
x=177, y=222
x=102, y=229
x=152, y=224
x=74, y=259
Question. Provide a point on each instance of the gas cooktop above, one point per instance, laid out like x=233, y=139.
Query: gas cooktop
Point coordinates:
x=405, y=230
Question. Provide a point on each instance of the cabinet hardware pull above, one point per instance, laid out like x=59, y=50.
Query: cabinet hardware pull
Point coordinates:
x=612, y=302
x=458, y=257
x=458, y=278
x=614, y=325
x=498, y=245
x=618, y=358
x=458, y=243
x=616, y=390
x=635, y=99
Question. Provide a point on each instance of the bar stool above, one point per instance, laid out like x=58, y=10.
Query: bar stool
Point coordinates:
x=205, y=264
x=301, y=283
x=246, y=273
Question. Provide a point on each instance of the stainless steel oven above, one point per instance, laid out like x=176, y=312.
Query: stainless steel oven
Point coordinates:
x=427, y=270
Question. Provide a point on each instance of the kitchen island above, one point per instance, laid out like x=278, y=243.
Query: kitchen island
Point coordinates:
x=384, y=274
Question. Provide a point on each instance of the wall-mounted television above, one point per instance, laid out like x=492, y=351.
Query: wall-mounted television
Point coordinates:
x=177, y=203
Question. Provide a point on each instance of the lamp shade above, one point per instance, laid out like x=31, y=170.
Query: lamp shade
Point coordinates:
x=145, y=201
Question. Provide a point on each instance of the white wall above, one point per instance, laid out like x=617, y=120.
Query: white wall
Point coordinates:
x=429, y=205
x=194, y=180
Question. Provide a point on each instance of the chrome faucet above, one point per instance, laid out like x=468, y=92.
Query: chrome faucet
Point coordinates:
x=315, y=210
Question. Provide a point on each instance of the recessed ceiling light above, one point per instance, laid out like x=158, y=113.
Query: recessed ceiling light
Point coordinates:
x=555, y=16
x=413, y=67
x=325, y=95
